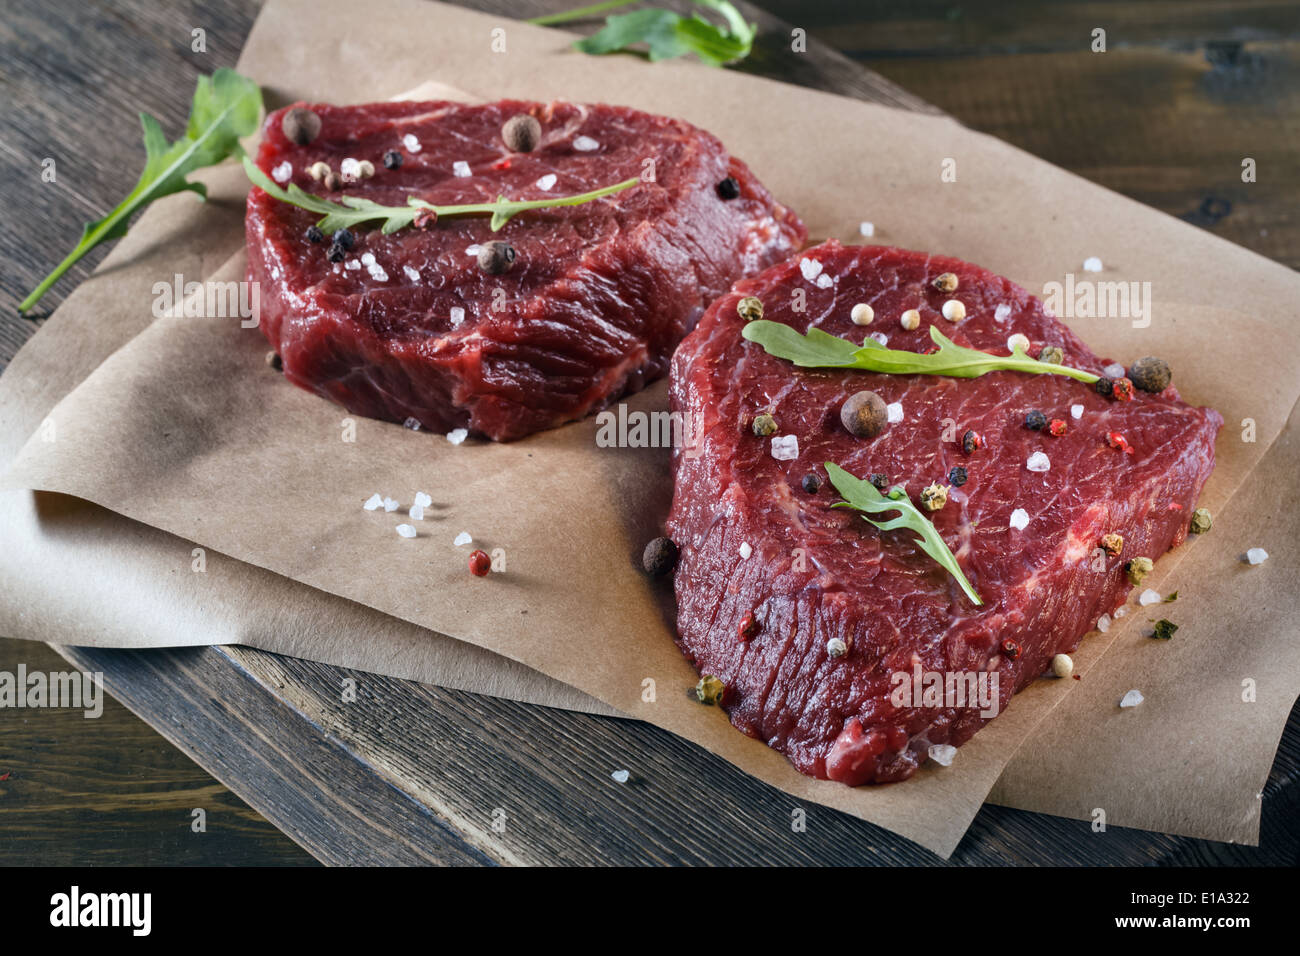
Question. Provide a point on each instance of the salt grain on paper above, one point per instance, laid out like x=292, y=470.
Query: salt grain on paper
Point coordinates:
x=745, y=550
x=1132, y=699
x=785, y=447
x=463, y=538
x=1120, y=612
x=460, y=169
x=810, y=268
x=585, y=144
x=422, y=499
x=416, y=512
x=1103, y=623
x=283, y=173
x=390, y=504
x=1256, y=555
x=894, y=412
x=1076, y=411
x=411, y=143
x=1149, y=597
x=406, y=531
x=373, y=503
x=1038, y=462
x=1020, y=519
x=546, y=182
x=1092, y=264
x=942, y=754
x=867, y=229
x=457, y=435
x=620, y=776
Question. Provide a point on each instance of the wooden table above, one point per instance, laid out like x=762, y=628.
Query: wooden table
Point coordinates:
x=416, y=774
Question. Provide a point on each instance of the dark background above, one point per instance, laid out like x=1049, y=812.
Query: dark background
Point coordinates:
x=1165, y=117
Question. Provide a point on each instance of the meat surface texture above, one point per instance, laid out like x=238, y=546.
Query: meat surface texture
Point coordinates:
x=410, y=329
x=764, y=624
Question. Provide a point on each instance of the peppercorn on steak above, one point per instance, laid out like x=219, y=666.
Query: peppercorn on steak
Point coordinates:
x=858, y=651
x=445, y=323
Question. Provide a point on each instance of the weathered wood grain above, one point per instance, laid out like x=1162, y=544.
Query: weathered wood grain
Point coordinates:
x=407, y=773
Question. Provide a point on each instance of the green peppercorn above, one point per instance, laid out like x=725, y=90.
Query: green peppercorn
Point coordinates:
x=1164, y=629
x=1052, y=354
x=763, y=425
x=709, y=690
x=864, y=414
x=1138, y=569
x=749, y=308
x=934, y=497
x=1150, y=374
x=1202, y=520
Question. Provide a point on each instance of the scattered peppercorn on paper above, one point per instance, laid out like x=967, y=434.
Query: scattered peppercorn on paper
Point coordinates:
x=170, y=438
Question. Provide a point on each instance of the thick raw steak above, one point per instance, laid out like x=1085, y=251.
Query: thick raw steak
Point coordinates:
x=817, y=572
x=595, y=302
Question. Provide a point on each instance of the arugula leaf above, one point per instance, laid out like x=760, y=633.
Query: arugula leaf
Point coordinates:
x=864, y=496
x=226, y=106
x=819, y=349
x=668, y=34
x=354, y=211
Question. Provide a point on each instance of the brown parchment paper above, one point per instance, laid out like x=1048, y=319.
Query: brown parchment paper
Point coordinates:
x=185, y=429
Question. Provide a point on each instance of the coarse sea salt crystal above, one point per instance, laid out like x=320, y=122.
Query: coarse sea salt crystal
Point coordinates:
x=406, y=531
x=810, y=268
x=368, y=259
x=1038, y=462
x=1132, y=699
x=1114, y=370
x=374, y=502
x=1149, y=597
x=942, y=754
x=745, y=550
x=1002, y=313
x=422, y=499
x=785, y=447
x=1092, y=264
x=1019, y=519
x=585, y=144
x=416, y=512
x=547, y=182
x=352, y=264
x=460, y=169
x=411, y=143
x=463, y=538
x=473, y=250
x=412, y=274
x=867, y=229
x=1076, y=411
x=1120, y=612
x=457, y=315
x=1103, y=623
x=377, y=273
x=894, y=412
x=283, y=173
x=1256, y=555
x=390, y=504
x=880, y=337
x=457, y=435
x=620, y=776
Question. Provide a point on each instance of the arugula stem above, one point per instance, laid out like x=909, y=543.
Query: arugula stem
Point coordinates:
x=578, y=14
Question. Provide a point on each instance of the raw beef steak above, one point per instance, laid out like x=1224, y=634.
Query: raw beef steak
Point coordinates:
x=769, y=573
x=409, y=327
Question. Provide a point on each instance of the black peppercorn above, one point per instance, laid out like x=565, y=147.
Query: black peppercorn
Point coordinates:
x=392, y=159
x=496, y=257
x=970, y=441
x=314, y=234
x=345, y=239
x=1036, y=420
x=879, y=480
x=337, y=253
x=811, y=483
x=659, y=557
x=729, y=188
x=957, y=476
x=1104, y=386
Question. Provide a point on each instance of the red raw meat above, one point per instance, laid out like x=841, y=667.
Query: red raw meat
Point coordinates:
x=818, y=573
x=598, y=295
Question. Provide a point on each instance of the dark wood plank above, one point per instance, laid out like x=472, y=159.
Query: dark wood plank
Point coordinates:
x=412, y=774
